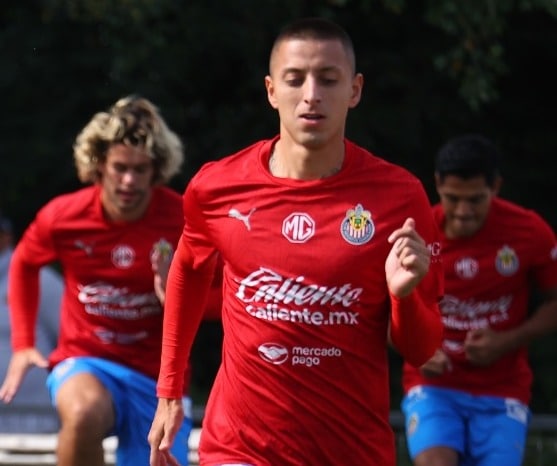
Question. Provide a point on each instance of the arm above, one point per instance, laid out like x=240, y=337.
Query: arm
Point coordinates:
x=161, y=257
x=23, y=299
x=416, y=328
x=186, y=297
x=485, y=346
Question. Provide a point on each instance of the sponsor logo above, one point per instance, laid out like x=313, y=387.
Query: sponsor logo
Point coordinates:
x=123, y=256
x=298, y=227
x=506, y=261
x=275, y=353
x=235, y=213
x=309, y=357
x=357, y=228
x=469, y=314
x=270, y=296
x=516, y=410
x=435, y=251
x=106, y=300
x=109, y=337
x=161, y=249
x=85, y=247
x=466, y=268
x=453, y=346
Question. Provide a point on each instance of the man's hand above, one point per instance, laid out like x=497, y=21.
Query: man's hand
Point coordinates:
x=166, y=423
x=161, y=256
x=408, y=261
x=484, y=346
x=437, y=365
x=20, y=362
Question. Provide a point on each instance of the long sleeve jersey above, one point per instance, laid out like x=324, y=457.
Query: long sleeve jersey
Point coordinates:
x=306, y=308
x=489, y=280
x=109, y=308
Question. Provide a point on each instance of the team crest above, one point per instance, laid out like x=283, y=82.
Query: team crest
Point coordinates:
x=357, y=227
x=506, y=261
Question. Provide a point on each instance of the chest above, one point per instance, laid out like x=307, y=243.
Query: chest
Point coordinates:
x=98, y=253
x=321, y=239
x=494, y=266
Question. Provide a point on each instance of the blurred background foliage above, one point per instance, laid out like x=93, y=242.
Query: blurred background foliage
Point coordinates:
x=433, y=69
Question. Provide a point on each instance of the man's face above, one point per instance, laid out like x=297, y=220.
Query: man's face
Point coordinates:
x=466, y=203
x=126, y=178
x=312, y=85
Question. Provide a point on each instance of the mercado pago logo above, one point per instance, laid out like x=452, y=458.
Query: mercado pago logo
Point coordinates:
x=277, y=354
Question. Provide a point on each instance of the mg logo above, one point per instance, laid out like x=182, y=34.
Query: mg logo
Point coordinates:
x=466, y=267
x=298, y=227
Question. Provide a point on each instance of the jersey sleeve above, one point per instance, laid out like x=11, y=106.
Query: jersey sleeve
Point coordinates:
x=196, y=232
x=34, y=250
x=416, y=325
x=545, y=255
x=189, y=281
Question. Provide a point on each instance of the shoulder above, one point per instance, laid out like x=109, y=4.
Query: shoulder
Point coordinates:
x=243, y=159
x=65, y=206
x=520, y=225
x=510, y=212
x=76, y=198
x=241, y=167
x=369, y=164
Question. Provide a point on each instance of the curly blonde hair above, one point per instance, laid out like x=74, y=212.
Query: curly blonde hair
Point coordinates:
x=133, y=121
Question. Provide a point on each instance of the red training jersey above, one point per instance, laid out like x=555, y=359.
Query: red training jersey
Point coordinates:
x=304, y=374
x=109, y=309
x=488, y=282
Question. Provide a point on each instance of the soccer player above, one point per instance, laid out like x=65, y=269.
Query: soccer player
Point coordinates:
x=468, y=405
x=113, y=241
x=326, y=252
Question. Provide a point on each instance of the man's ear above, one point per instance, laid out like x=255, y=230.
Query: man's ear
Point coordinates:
x=270, y=91
x=357, y=85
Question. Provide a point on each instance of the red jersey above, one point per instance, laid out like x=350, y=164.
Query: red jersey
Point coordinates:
x=109, y=309
x=304, y=374
x=488, y=281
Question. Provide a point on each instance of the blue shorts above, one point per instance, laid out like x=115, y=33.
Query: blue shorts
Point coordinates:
x=134, y=399
x=484, y=430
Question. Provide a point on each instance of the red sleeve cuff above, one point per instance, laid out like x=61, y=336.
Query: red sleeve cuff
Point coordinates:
x=416, y=328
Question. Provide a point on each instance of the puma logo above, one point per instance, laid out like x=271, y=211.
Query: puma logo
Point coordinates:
x=87, y=248
x=235, y=213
